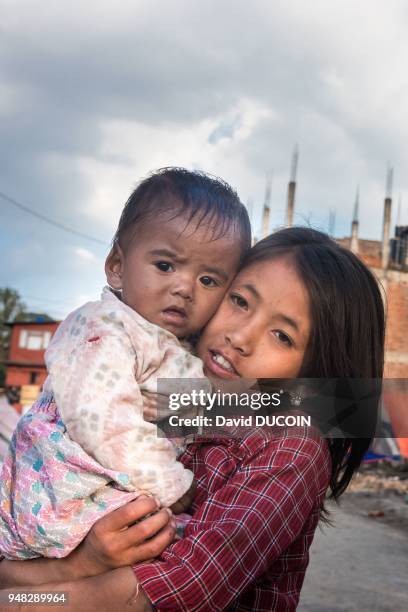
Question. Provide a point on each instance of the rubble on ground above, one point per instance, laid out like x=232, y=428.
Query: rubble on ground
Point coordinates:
x=379, y=491
x=380, y=476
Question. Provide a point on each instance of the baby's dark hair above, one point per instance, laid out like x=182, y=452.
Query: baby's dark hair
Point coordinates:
x=203, y=197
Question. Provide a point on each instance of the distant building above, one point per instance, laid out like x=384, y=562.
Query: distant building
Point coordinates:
x=388, y=260
x=26, y=371
x=394, y=281
x=399, y=248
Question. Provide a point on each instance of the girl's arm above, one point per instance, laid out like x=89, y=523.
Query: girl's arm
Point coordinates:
x=234, y=536
x=239, y=532
x=116, y=590
x=114, y=541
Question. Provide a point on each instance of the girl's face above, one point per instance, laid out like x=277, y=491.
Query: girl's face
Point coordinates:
x=262, y=327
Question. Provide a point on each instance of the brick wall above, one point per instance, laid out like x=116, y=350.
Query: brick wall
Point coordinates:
x=18, y=376
x=396, y=345
x=23, y=354
x=395, y=284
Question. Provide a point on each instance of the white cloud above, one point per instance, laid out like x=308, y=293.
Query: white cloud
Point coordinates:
x=85, y=254
x=130, y=150
x=95, y=97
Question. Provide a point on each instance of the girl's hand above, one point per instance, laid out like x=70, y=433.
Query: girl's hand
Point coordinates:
x=113, y=541
x=116, y=541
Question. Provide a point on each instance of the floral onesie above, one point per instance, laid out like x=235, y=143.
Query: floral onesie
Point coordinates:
x=84, y=448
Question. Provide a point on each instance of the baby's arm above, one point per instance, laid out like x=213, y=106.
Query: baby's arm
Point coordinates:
x=101, y=405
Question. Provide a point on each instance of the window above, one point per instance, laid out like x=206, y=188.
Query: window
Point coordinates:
x=34, y=340
x=22, y=341
x=33, y=378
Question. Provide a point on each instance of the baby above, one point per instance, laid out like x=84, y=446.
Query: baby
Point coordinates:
x=84, y=448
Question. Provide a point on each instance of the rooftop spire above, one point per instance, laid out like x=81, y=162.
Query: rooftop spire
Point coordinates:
x=356, y=205
x=387, y=219
x=332, y=221
x=399, y=210
x=388, y=186
x=290, y=206
x=267, y=206
x=293, y=168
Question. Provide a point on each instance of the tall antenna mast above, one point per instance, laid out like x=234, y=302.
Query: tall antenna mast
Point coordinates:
x=385, y=255
x=399, y=210
x=390, y=177
x=294, y=164
x=356, y=204
x=292, y=187
x=267, y=206
x=332, y=221
x=250, y=209
x=354, y=244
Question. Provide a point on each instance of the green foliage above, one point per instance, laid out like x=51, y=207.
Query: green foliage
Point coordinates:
x=12, y=308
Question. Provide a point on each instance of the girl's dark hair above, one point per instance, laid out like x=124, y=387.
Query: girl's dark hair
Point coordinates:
x=348, y=324
x=179, y=190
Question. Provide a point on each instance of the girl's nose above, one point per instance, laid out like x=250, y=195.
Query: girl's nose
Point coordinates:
x=246, y=336
x=240, y=340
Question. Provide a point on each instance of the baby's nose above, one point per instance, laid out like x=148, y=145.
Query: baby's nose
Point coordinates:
x=184, y=287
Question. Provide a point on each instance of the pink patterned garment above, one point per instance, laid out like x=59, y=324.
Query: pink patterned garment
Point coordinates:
x=51, y=490
x=84, y=448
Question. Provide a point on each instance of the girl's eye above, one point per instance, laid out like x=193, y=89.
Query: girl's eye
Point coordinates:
x=207, y=281
x=238, y=300
x=164, y=266
x=283, y=338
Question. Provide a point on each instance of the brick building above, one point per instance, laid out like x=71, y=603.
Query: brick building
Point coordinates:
x=25, y=365
x=388, y=260
x=394, y=281
x=392, y=274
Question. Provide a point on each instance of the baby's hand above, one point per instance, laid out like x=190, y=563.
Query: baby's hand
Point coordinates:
x=155, y=406
x=182, y=504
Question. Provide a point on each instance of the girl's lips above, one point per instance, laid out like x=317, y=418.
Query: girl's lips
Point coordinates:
x=216, y=368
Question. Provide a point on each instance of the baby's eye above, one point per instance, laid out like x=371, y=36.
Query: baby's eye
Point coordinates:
x=238, y=300
x=283, y=338
x=164, y=266
x=207, y=281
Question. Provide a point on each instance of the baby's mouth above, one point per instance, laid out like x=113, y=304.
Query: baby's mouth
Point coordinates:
x=175, y=316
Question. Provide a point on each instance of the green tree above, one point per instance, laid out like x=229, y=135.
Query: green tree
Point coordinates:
x=12, y=308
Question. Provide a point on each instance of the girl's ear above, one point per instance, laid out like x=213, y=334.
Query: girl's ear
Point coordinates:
x=114, y=267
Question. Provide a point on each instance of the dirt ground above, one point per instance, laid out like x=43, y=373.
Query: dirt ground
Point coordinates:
x=361, y=563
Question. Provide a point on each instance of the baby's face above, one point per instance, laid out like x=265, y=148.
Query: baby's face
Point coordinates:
x=173, y=273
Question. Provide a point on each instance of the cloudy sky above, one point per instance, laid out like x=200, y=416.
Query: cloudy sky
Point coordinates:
x=95, y=95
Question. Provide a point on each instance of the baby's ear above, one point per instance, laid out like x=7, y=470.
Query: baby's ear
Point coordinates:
x=114, y=267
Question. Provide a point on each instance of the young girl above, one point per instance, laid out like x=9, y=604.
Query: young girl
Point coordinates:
x=84, y=448
x=300, y=306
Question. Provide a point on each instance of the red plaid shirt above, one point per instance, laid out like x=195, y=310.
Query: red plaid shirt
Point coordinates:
x=255, y=512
